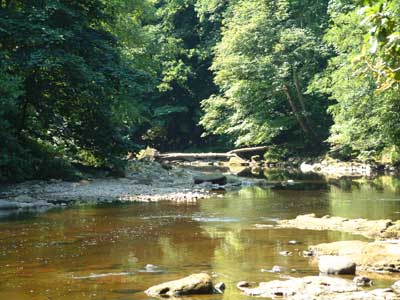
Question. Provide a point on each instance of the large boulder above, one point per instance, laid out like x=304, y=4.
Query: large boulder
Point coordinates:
x=194, y=284
x=216, y=178
x=329, y=264
x=377, y=256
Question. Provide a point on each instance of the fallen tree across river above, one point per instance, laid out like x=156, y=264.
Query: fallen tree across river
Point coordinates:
x=210, y=156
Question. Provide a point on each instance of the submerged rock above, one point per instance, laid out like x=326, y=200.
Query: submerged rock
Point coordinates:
x=362, y=281
x=336, y=265
x=317, y=288
x=194, y=284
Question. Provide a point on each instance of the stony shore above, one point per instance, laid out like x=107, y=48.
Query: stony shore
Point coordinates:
x=144, y=182
x=379, y=256
x=376, y=229
x=317, y=287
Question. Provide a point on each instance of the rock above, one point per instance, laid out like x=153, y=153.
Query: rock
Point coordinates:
x=242, y=284
x=306, y=253
x=236, y=160
x=233, y=180
x=194, y=284
x=24, y=198
x=368, y=228
x=362, y=281
x=378, y=256
x=317, y=288
x=301, y=288
x=256, y=160
x=276, y=269
x=336, y=265
x=213, y=178
x=396, y=287
x=8, y=205
x=151, y=267
x=220, y=287
x=334, y=168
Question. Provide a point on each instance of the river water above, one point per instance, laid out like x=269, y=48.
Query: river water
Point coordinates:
x=101, y=252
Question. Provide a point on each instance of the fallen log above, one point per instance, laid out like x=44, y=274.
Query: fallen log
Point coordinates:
x=193, y=156
x=260, y=149
x=208, y=156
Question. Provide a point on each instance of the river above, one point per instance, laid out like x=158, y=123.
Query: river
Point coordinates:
x=100, y=252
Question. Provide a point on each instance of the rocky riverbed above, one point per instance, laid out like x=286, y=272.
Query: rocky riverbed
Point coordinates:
x=377, y=229
x=145, y=181
x=318, y=287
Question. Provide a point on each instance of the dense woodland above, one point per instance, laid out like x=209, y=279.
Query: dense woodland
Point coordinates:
x=85, y=82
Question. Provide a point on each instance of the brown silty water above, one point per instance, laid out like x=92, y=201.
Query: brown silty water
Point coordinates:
x=101, y=252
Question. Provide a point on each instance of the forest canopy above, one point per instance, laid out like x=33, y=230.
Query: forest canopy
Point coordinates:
x=86, y=82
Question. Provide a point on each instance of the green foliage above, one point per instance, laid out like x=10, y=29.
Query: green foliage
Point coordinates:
x=267, y=57
x=276, y=154
x=381, y=18
x=184, y=32
x=89, y=81
x=366, y=106
x=66, y=83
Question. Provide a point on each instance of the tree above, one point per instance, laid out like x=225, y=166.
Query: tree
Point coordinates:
x=269, y=53
x=68, y=86
x=366, y=104
x=184, y=32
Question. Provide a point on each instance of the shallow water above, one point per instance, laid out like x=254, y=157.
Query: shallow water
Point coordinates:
x=101, y=252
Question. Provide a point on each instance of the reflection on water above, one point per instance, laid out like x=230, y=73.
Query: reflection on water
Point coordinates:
x=101, y=252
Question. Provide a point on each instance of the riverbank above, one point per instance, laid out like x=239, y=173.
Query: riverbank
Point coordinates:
x=145, y=181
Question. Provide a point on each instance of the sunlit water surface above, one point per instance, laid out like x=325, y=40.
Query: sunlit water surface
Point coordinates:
x=100, y=252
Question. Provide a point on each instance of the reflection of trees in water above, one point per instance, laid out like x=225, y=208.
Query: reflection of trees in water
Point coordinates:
x=244, y=251
x=378, y=198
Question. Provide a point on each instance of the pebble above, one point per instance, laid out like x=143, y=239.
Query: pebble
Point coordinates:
x=308, y=253
x=285, y=253
x=276, y=269
x=242, y=284
x=363, y=281
x=220, y=287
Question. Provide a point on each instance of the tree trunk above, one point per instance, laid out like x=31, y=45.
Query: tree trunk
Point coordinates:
x=302, y=104
x=296, y=111
x=21, y=121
